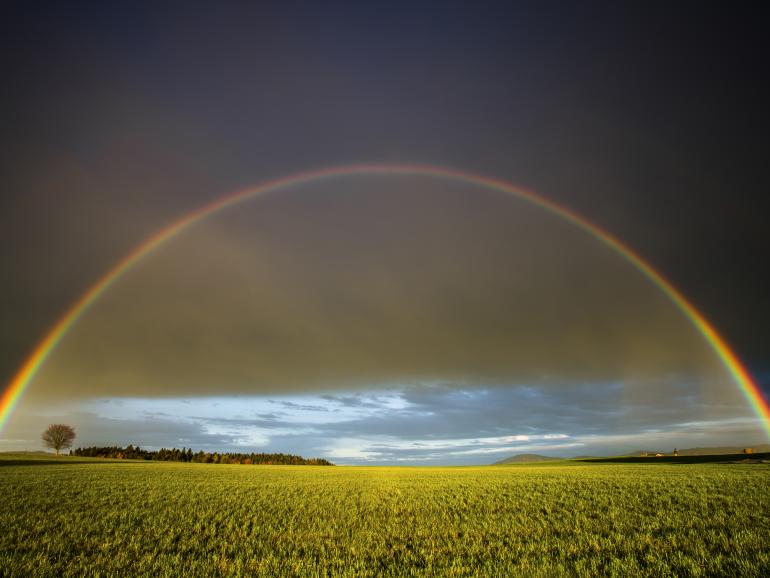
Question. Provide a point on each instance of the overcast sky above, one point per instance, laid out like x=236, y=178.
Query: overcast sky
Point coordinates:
x=384, y=319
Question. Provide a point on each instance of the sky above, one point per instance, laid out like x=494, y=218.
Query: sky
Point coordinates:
x=377, y=319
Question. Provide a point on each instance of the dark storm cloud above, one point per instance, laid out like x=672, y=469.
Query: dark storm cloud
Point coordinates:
x=126, y=117
x=363, y=282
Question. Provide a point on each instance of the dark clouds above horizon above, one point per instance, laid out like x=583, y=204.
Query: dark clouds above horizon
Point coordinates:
x=365, y=281
x=115, y=120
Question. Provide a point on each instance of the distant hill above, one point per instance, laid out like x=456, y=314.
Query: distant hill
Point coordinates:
x=716, y=451
x=525, y=458
x=757, y=449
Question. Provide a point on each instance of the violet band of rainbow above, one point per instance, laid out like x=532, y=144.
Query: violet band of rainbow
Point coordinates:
x=36, y=359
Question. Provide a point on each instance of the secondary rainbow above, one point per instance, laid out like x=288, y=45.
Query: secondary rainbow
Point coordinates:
x=32, y=364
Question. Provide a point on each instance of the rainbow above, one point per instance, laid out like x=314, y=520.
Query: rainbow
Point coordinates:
x=36, y=359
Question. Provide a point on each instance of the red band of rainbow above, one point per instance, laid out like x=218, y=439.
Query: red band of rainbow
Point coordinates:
x=29, y=369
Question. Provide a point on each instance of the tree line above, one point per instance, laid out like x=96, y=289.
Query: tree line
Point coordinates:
x=201, y=457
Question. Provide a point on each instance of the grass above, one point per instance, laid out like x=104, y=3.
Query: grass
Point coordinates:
x=96, y=518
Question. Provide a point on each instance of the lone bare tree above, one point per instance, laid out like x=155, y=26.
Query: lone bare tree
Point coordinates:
x=58, y=436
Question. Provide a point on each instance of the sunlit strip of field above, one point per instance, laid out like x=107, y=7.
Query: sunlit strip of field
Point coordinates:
x=79, y=517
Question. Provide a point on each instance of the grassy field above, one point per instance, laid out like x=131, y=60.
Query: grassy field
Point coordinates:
x=80, y=517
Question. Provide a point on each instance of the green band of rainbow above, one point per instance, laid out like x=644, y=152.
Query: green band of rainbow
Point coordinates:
x=31, y=366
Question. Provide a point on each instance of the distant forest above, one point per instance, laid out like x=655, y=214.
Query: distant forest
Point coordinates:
x=201, y=457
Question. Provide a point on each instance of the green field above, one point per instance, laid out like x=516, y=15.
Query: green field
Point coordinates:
x=75, y=517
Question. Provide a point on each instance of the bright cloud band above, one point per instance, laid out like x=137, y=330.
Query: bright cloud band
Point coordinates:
x=29, y=369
